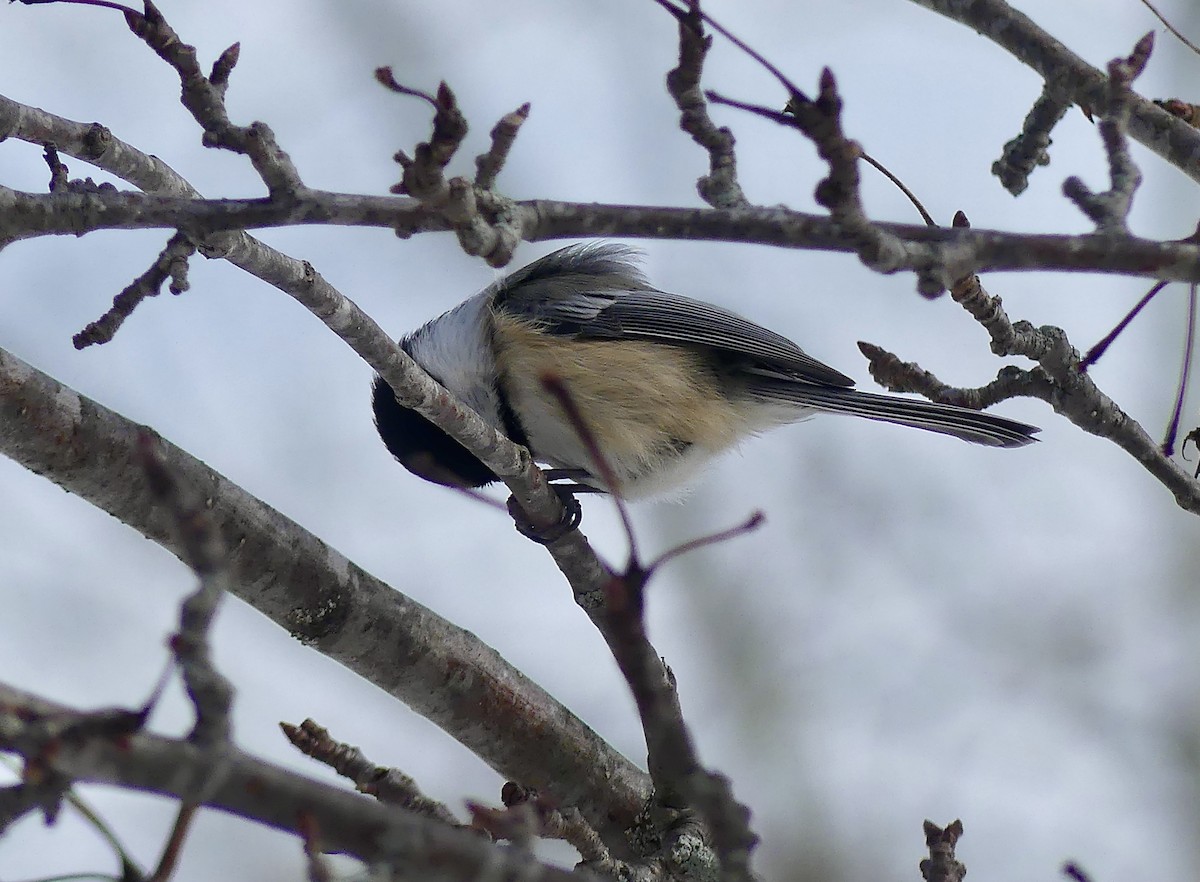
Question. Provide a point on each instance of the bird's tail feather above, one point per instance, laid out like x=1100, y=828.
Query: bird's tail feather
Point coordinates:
x=974, y=426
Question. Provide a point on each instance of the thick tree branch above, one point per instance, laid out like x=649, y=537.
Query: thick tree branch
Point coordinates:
x=443, y=672
x=301, y=281
x=960, y=251
x=250, y=788
x=25, y=215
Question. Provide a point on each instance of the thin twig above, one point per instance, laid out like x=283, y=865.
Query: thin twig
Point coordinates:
x=385, y=77
x=204, y=98
x=173, y=848
x=1170, y=27
x=562, y=394
x=681, y=783
x=566, y=824
x=1030, y=148
x=388, y=785
x=503, y=134
x=779, y=75
x=1189, y=343
x=171, y=263
x=105, y=3
x=1109, y=210
x=752, y=523
x=204, y=552
x=34, y=798
x=1093, y=355
x=912, y=197
x=720, y=187
x=260, y=792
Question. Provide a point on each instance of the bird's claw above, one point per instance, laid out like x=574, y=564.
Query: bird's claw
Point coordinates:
x=572, y=515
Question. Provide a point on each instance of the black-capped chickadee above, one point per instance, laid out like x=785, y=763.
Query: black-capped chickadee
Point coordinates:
x=664, y=382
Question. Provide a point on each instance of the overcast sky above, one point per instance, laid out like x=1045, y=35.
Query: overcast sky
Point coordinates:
x=922, y=628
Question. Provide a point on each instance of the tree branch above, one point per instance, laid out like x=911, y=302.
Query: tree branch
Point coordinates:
x=441, y=671
x=1171, y=138
x=250, y=788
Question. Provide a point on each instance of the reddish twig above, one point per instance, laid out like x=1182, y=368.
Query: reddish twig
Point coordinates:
x=1093, y=355
x=1189, y=344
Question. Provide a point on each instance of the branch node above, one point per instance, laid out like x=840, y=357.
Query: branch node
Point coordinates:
x=941, y=865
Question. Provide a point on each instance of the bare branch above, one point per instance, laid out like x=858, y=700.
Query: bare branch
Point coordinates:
x=1110, y=210
x=424, y=176
x=752, y=523
x=889, y=371
x=173, y=848
x=1185, y=110
x=1185, y=371
x=388, y=785
x=820, y=121
x=204, y=98
x=941, y=865
x=104, y=3
x=1170, y=27
x=681, y=783
x=1058, y=380
x=171, y=263
x=443, y=672
x=481, y=218
x=301, y=281
x=565, y=824
x=1169, y=137
x=42, y=792
x=1030, y=148
x=346, y=822
x=319, y=869
x=962, y=251
x=197, y=536
x=899, y=185
x=504, y=133
x=1096, y=352
x=720, y=187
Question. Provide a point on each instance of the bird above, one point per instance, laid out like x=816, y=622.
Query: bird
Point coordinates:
x=664, y=383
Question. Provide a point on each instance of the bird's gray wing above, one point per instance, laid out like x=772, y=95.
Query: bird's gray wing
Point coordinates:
x=596, y=293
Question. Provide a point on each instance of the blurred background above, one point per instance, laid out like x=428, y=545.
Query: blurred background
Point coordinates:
x=922, y=628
